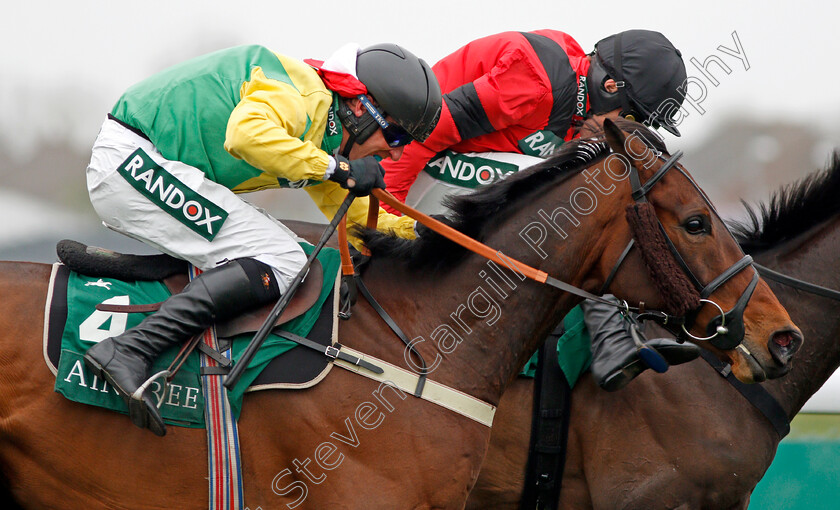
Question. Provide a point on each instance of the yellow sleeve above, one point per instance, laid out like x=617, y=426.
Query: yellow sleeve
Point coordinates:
x=328, y=196
x=266, y=127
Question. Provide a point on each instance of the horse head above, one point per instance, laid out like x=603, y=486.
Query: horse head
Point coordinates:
x=697, y=268
x=571, y=217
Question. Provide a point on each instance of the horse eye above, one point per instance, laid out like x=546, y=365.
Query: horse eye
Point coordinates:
x=696, y=225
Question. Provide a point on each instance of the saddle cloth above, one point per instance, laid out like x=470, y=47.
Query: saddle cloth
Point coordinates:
x=73, y=323
x=573, y=352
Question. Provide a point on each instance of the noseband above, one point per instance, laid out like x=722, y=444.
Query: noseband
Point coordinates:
x=726, y=330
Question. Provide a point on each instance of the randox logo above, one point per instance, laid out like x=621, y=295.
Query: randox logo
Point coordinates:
x=467, y=171
x=580, y=103
x=540, y=143
x=302, y=183
x=173, y=196
x=332, y=125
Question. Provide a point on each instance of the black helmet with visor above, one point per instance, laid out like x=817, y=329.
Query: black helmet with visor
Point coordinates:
x=404, y=88
x=648, y=71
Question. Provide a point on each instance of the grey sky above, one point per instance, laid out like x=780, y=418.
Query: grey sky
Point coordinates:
x=63, y=64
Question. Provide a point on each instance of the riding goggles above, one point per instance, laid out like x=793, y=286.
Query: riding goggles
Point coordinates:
x=395, y=135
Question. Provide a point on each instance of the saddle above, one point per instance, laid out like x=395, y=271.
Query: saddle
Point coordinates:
x=78, y=288
x=103, y=263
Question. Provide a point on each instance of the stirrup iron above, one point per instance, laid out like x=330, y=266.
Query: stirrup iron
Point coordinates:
x=648, y=355
x=138, y=393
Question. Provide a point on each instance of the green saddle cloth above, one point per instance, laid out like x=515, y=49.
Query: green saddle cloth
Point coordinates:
x=183, y=402
x=573, y=351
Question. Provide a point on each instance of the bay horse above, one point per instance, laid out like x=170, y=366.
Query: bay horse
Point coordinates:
x=349, y=442
x=687, y=438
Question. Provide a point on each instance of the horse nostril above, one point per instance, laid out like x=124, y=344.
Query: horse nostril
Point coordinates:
x=783, y=344
x=783, y=339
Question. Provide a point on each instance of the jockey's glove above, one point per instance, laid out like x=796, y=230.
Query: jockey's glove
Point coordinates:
x=359, y=176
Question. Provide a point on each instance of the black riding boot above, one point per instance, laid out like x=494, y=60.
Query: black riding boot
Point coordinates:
x=217, y=294
x=615, y=359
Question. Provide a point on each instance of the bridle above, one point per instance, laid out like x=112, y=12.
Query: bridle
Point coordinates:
x=726, y=331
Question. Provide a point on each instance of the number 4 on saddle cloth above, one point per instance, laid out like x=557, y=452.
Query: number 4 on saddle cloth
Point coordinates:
x=74, y=324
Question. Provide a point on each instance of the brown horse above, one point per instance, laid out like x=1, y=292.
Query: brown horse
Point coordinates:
x=686, y=438
x=350, y=442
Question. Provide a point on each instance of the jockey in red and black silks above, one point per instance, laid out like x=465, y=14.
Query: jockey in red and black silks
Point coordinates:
x=515, y=97
x=520, y=92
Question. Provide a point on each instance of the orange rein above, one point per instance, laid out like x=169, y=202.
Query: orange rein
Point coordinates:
x=441, y=228
x=343, y=248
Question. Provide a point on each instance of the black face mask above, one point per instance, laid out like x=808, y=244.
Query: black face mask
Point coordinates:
x=359, y=128
x=363, y=127
x=600, y=100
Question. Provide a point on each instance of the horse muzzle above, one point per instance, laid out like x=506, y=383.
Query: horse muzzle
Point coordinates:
x=751, y=368
x=782, y=345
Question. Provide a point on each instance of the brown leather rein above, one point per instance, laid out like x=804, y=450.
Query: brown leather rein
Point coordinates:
x=466, y=242
x=435, y=225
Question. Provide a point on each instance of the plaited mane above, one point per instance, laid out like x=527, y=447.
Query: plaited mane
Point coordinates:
x=475, y=213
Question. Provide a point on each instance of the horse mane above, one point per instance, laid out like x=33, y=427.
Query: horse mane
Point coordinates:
x=792, y=209
x=475, y=213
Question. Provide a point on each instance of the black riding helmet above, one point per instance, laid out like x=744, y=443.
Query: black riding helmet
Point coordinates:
x=403, y=86
x=651, y=70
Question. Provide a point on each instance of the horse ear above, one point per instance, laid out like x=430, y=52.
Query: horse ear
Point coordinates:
x=615, y=137
x=630, y=146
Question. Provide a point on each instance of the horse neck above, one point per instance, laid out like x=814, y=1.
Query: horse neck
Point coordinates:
x=811, y=257
x=481, y=320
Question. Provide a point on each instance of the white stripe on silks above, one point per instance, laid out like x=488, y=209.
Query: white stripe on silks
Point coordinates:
x=223, y=455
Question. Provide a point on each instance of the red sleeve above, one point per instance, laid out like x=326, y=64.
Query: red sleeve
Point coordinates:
x=512, y=92
x=401, y=174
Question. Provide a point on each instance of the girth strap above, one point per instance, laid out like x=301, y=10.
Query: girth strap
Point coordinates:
x=421, y=381
x=549, y=430
x=218, y=357
x=435, y=392
x=331, y=351
x=755, y=394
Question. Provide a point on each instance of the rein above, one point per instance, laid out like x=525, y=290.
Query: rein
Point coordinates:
x=489, y=253
x=756, y=394
x=797, y=284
